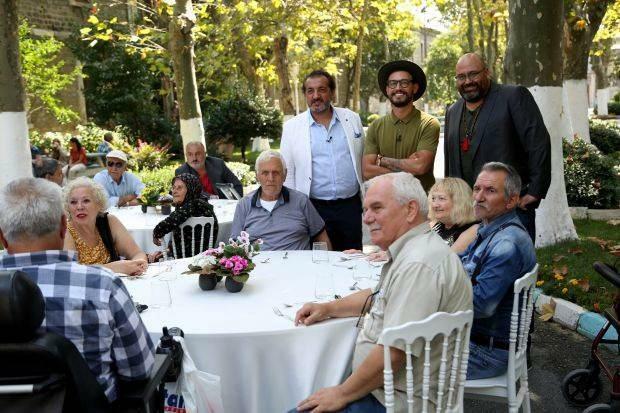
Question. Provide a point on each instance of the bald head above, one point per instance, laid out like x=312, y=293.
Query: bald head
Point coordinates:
x=472, y=79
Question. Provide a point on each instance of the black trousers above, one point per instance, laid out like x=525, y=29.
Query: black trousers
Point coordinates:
x=343, y=221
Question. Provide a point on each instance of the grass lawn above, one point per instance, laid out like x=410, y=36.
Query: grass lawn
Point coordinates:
x=250, y=157
x=566, y=268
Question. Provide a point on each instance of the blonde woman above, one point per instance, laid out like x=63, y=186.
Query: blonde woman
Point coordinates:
x=97, y=237
x=451, y=212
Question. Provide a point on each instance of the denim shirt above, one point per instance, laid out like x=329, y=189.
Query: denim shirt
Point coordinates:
x=502, y=258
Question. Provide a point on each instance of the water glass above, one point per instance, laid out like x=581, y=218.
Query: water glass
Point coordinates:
x=320, y=252
x=324, y=286
x=360, y=271
x=160, y=294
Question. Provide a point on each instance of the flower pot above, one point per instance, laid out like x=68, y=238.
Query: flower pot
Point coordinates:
x=207, y=281
x=143, y=207
x=233, y=286
x=166, y=209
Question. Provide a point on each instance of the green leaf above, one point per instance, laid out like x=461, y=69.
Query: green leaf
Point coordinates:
x=92, y=19
x=243, y=278
x=85, y=30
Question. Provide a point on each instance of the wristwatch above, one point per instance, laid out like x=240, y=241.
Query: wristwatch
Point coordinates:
x=378, y=162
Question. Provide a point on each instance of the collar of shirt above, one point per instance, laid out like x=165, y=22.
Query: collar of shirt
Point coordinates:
x=395, y=248
x=331, y=122
x=486, y=230
x=282, y=199
x=25, y=259
x=112, y=181
x=414, y=113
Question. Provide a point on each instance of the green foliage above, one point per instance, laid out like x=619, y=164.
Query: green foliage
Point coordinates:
x=242, y=172
x=157, y=182
x=442, y=57
x=592, y=179
x=45, y=75
x=572, y=260
x=121, y=90
x=240, y=118
x=605, y=135
x=613, y=108
x=148, y=156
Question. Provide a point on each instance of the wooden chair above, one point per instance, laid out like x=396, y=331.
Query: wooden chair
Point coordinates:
x=504, y=387
x=203, y=226
x=455, y=329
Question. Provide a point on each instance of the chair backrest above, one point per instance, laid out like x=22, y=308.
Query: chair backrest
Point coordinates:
x=202, y=237
x=455, y=329
x=520, y=320
x=228, y=190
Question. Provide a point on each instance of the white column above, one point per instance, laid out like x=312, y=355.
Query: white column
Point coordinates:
x=575, y=102
x=15, y=160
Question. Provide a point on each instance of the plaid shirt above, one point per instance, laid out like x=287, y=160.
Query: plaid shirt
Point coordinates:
x=91, y=307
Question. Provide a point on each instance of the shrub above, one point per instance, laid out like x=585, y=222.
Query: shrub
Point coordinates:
x=90, y=137
x=605, y=135
x=242, y=172
x=591, y=178
x=157, y=181
x=372, y=117
x=148, y=156
x=613, y=108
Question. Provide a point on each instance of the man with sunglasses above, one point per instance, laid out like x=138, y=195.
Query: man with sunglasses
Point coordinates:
x=406, y=138
x=500, y=123
x=123, y=187
x=422, y=277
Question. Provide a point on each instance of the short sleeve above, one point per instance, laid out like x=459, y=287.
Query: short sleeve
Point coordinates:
x=429, y=135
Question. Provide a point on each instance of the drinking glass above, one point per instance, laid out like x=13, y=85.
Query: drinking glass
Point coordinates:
x=324, y=286
x=160, y=294
x=360, y=271
x=319, y=252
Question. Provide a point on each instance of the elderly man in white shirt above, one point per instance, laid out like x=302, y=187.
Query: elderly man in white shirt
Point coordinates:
x=123, y=187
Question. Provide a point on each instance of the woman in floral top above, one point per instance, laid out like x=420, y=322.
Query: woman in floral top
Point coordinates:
x=189, y=201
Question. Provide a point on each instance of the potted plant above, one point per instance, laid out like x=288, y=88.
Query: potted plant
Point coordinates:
x=232, y=260
x=148, y=197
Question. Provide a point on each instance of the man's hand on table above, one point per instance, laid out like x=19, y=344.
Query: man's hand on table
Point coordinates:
x=330, y=399
x=373, y=256
x=311, y=313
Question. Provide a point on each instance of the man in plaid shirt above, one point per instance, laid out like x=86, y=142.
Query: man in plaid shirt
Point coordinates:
x=88, y=305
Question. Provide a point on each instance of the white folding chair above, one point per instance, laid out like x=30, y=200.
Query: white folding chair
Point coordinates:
x=455, y=329
x=505, y=386
x=205, y=231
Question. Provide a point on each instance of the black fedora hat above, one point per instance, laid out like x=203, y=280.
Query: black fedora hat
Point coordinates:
x=416, y=72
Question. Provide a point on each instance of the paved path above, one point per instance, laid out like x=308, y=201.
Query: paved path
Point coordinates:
x=556, y=352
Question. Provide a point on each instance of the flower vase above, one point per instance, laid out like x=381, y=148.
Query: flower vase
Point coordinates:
x=233, y=286
x=143, y=207
x=207, y=282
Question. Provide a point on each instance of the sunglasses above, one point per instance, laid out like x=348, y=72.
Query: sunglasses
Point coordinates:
x=367, y=303
x=117, y=164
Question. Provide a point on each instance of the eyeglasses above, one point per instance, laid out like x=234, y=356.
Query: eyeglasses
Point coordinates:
x=392, y=84
x=468, y=76
x=360, y=319
x=117, y=164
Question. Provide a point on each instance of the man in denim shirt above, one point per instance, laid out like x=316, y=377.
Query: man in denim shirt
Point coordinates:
x=502, y=253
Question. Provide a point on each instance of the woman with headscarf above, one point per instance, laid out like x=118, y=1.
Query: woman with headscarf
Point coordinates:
x=189, y=202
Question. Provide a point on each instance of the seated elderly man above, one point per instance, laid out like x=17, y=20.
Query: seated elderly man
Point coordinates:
x=502, y=253
x=209, y=169
x=49, y=169
x=123, y=187
x=422, y=276
x=283, y=218
x=88, y=305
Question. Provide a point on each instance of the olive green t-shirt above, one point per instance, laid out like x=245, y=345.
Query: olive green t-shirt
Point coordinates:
x=396, y=138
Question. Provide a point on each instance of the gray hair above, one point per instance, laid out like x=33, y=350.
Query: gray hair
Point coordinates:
x=195, y=143
x=405, y=187
x=48, y=167
x=99, y=194
x=512, y=184
x=31, y=208
x=267, y=155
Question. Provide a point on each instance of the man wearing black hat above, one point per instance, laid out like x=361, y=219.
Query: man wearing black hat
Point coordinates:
x=405, y=139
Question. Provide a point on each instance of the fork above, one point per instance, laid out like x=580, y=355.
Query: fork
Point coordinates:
x=279, y=313
x=266, y=260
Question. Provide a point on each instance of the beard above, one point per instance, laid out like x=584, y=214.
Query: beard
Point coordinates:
x=401, y=102
x=473, y=95
x=322, y=106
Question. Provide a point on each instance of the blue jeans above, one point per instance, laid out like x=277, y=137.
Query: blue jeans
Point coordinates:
x=485, y=362
x=367, y=404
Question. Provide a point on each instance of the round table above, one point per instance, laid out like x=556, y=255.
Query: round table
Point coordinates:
x=140, y=225
x=266, y=364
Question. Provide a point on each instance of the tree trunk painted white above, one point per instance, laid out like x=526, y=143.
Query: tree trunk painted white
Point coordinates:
x=14, y=147
x=553, y=220
x=192, y=130
x=602, y=99
x=575, y=103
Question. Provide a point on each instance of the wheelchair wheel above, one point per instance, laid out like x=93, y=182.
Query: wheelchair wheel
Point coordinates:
x=581, y=387
x=598, y=408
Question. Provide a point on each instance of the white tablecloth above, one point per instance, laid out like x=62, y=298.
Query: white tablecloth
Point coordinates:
x=266, y=363
x=140, y=225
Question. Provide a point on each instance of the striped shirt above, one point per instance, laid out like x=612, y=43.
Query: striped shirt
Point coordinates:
x=91, y=307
